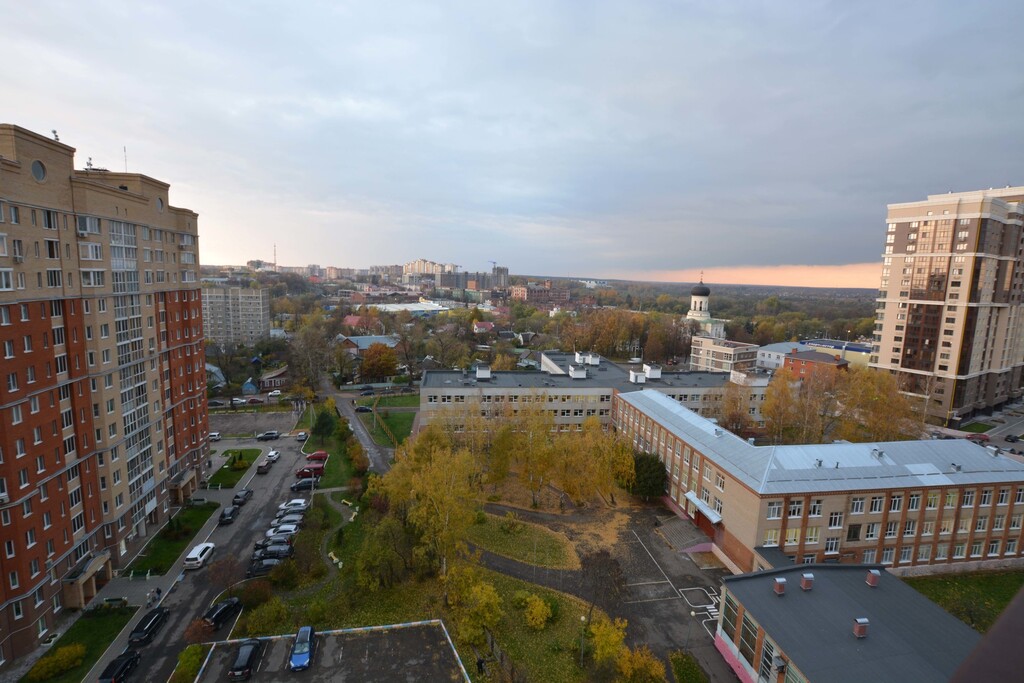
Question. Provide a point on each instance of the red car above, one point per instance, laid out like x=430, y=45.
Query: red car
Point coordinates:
x=309, y=471
x=318, y=455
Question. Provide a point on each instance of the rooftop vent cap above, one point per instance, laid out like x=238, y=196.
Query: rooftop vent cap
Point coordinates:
x=873, y=577
x=807, y=581
x=817, y=463
x=780, y=586
x=860, y=627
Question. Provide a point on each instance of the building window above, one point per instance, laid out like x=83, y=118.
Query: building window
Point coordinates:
x=914, y=502
x=814, y=509
x=968, y=499
x=871, y=532
x=812, y=534
x=792, y=536
x=986, y=497
x=796, y=508
x=774, y=509
x=909, y=528
x=835, y=520
x=771, y=537
x=857, y=506
x=876, y=504
x=831, y=545
x=896, y=503
x=887, y=555
x=890, y=529
x=869, y=556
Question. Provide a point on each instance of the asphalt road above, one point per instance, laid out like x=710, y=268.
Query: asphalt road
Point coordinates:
x=380, y=458
x=194, y=594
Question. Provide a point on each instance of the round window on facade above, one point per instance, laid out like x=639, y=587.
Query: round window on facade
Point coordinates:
x=38, y=170
x=160, y=204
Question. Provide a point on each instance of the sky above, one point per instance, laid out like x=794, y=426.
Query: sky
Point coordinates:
x=758, y=142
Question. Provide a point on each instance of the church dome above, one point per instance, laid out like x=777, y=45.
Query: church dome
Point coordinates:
x=700, y=289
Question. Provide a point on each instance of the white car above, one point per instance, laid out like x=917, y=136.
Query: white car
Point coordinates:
x=294, y=504
x=282, y=530
x=274, y=394
x=273, y=456
x=198, y=556
x=214, y=436
x=238, y=401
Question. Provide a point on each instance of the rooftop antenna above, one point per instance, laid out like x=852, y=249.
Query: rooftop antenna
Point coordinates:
x=125, y=158
x=55, y=136
x=88, y=164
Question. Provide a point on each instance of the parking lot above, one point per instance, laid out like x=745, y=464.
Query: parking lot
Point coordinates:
x=419, y=652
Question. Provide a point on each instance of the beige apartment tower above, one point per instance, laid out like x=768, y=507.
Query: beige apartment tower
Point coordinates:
x=949, y=316
x=103, y=402
x=236, y=315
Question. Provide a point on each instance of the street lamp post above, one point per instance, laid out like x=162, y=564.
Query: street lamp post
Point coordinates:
x=583, y=622
x=689, y=628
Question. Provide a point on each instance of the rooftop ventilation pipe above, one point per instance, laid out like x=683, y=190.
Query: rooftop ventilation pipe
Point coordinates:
x=873, y=577
x=860, y=627
x=780, y=586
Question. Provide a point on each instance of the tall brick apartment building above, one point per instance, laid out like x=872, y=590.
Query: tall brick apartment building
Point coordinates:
x=102, y=404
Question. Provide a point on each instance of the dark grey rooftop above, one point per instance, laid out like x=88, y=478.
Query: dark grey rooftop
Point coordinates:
x=604, y=375
x=910, y=639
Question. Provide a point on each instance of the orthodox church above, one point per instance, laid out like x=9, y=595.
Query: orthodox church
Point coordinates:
x=700, y=312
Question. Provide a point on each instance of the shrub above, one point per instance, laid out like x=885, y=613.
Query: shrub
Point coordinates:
x=520, y=597
x=510, y=524
x=270, y=617
x=537, y=613
x=255, y=593
x=189, y=661
x=61, y=660
x=285, y=575
x=480, y=518
x=554, y=606
x=686, y=669
x=198, y=631
x=640, y=666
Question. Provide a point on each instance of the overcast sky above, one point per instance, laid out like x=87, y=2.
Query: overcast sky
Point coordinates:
x=646, y=140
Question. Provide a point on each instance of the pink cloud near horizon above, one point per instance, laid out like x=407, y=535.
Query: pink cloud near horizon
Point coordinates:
x=850, y=275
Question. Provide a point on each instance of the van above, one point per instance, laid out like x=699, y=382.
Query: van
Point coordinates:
x=263, y=467
x=119, y=669
x=199, y=555
x=147, y=628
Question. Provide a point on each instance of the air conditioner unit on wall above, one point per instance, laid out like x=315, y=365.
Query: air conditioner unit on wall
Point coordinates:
x=4, y=499
x=83, y=233
x=18, y=258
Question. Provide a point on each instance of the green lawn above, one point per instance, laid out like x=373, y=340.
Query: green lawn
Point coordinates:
x=977, y=599
x=528, y=543
x=167, y=546
x=977, y=427
x=686, y=669
x=95, y=629
x=228, y=476
x=394, y=401
x=400, y=425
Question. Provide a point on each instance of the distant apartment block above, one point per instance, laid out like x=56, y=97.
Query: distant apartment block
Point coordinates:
x=544, y=294
x=949, y=319
x=236, y=315
x=103, y=409
x=708, y=354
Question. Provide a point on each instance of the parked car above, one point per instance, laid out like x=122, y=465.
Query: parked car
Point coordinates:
x=199, y=555
x=982, y=438
x=273, y=540
x=273, y=455
x=219, y=614
x=238, y=401
x=246, y=658
x=274, y=394
x=255, y=400
x=269, y=435
x=290, y=512
x=367, y=392
x=364, y=409
x=263, y=467
x=215, y=403
x=279, y=551
x=1011, y=438
x=310, y=470
x=294, y=504
x=242, y=497
x=122, y=666
x=228, y=515
x=283, y=529
x=301, y=436
x=262, y=567
x=307, y=484
x=407, y=390
x=303, y=649
x=214, y=436
x=288, y=519
x=147, y=628
x=318, y=455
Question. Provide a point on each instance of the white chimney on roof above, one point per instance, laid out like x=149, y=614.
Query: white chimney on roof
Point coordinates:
x=652, y=371
x=637, y=377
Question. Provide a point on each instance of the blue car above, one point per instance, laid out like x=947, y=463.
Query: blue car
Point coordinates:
x=303, y=649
